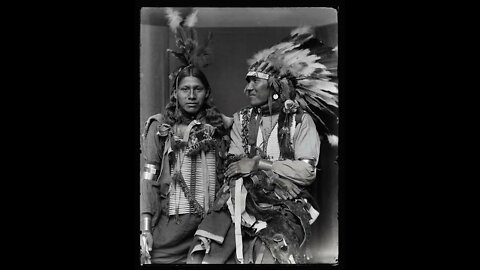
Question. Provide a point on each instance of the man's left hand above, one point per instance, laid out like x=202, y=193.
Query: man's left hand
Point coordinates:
x=285, y=188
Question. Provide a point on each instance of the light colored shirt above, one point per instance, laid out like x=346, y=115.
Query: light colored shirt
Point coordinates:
x=306, y=145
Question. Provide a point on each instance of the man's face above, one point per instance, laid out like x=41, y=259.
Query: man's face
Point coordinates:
x=191, y=94
x=257, y=91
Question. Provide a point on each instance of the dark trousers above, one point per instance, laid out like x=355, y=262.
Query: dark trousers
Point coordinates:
x=172, y=238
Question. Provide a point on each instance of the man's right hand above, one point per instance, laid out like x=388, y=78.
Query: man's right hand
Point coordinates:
x=285, y=188
x=146, y=241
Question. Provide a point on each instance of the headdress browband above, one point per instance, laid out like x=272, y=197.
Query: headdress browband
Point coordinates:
x=257, y=74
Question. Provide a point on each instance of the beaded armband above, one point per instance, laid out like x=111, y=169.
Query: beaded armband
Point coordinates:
x=150, y=172
x=310, y=161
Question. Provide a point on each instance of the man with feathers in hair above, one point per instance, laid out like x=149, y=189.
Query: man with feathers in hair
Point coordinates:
x=184, y=151
x=264, y=211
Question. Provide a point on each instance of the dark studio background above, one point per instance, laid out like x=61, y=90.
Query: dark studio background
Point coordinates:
x=81, y=121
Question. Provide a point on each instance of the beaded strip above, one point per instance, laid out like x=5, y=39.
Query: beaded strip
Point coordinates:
x=205, y=145
x=284, y=125
x=245, y=113
x=193, y=179
x=178, y=177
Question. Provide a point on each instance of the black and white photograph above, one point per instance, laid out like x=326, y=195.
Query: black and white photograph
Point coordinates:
x=238, y=129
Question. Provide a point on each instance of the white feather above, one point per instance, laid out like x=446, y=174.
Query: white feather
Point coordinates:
x=250, y=61
x=325, y=72
x=261, y=55
x=333, y=140
x=320, y=84
x=284, y=47
x=191, y=20
x=328, y=98
x=274, y=53
x=295, y=57
x=310, y=67
x=174, y=19
x=300, y=63
x=302, y=30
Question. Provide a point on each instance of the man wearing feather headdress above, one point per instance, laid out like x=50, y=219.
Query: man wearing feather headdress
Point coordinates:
x=265, y=208
x=184, y=150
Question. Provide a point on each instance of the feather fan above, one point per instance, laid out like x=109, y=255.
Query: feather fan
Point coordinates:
x=189, y=52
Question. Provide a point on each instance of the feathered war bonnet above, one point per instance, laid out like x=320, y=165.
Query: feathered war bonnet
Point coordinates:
x=302, y=71
x=190, y=52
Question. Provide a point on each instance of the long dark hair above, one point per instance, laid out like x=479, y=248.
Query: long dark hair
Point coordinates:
x=207, y=114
